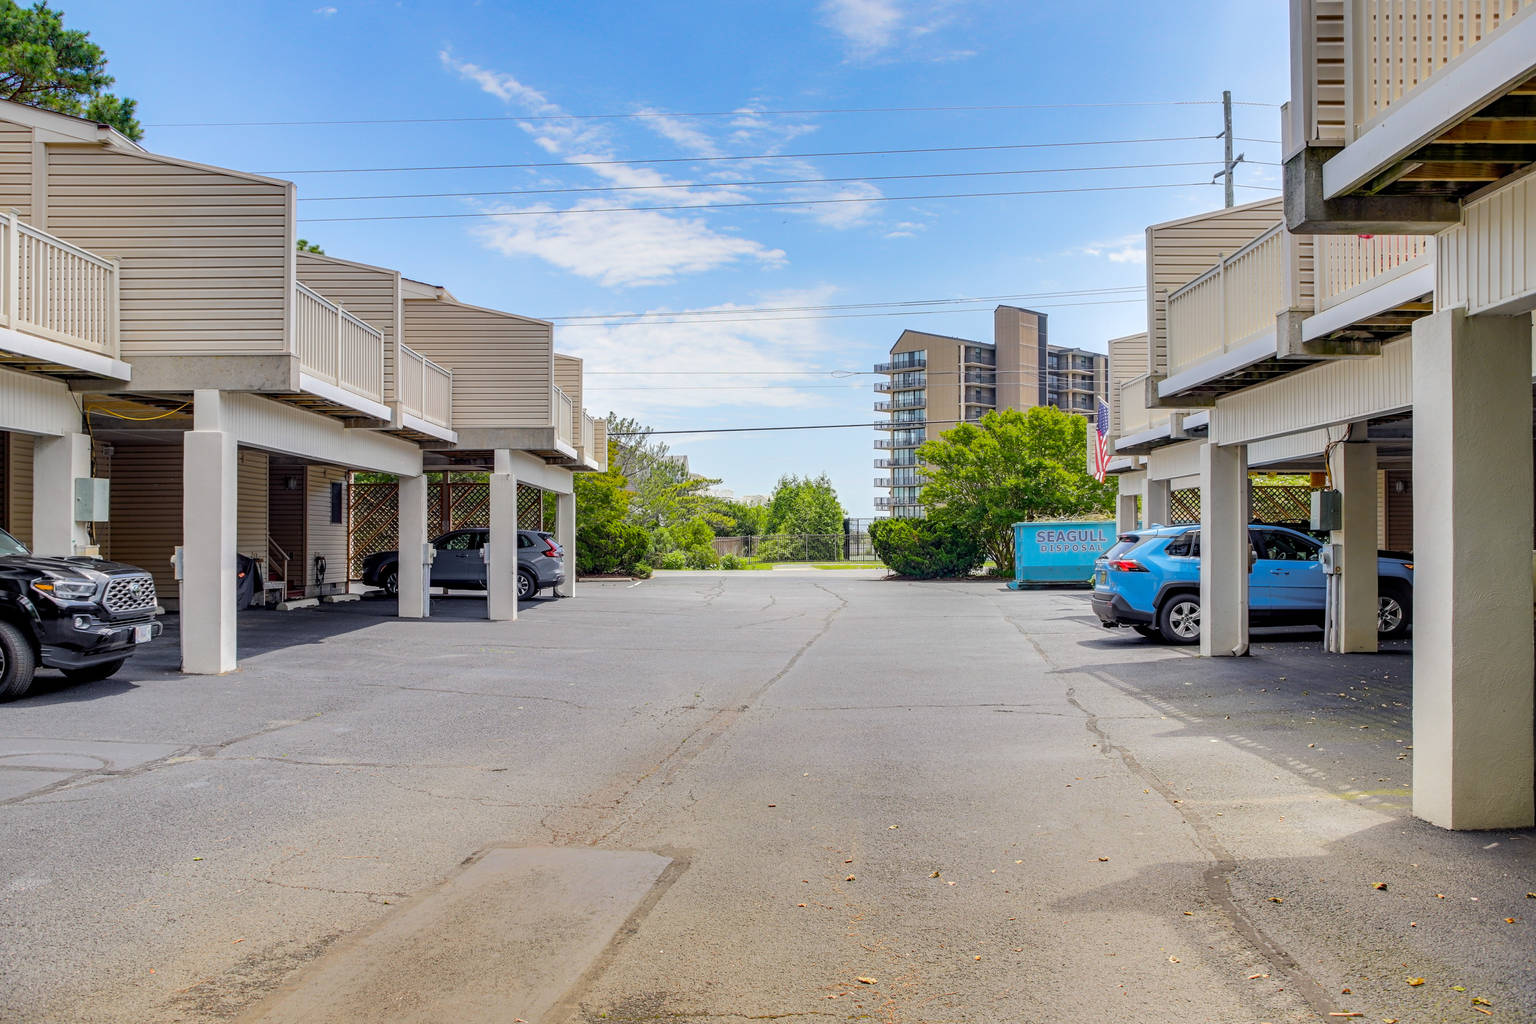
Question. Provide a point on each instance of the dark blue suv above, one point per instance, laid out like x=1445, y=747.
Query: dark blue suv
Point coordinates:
x=1150, y=580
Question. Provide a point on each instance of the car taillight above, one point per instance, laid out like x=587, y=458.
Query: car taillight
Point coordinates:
x=552, y=551
x=1126, y=565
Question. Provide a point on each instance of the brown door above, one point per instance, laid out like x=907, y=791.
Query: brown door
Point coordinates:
x=288, y=483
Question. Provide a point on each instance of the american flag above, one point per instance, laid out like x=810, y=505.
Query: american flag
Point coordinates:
x=1101, y=442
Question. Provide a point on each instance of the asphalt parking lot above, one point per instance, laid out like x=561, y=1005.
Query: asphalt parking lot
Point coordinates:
x=737, y=795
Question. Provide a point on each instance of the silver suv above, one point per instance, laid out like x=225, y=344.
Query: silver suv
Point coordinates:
x=460, y=563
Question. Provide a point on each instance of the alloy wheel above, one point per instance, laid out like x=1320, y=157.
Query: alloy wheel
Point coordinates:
x=1389, y=614
x=1184, y=618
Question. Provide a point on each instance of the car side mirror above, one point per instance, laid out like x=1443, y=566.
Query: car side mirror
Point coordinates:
x=1253, y=556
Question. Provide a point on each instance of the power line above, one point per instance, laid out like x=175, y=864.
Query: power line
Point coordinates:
x=847, y=316
x=757, y=156
x=850, y=305
x=742, y=112
x=772, y=181
x=762, y=203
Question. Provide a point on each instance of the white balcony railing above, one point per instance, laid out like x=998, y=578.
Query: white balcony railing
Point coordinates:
x=1236, y=300
x=564, y=412
x=1350, y=264
x=588, y=435
x=1135, y=417
x=1394, y=45
x=336, y=347
x=426, y=389
x=57, y=291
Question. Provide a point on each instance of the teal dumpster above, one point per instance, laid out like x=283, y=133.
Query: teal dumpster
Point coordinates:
x=1058, y=552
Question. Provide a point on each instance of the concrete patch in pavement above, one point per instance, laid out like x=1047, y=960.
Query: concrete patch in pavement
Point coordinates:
x=504, y=939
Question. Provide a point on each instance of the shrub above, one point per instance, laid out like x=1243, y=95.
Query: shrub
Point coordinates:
x=702, y=557
x=609, y=547
x=925, y=549
x=782, y=547
x=641, y=571
x=730, y=562
x=673, y=560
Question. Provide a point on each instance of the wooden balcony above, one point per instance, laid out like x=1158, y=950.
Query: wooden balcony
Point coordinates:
x=1403, y=107
x=58, y=306
x=341, y=359
x=1224, y=321
x=426, y=396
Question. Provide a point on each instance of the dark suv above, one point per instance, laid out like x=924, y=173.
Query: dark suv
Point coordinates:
x=81, y=615
x=460, y=563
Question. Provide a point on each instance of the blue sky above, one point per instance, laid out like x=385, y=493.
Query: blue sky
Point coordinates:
x=772, y=353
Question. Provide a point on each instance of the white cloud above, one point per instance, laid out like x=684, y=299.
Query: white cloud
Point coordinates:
x=623, y=249
x=754, y=364
x=325, y=12
x=869, y=26
x=905, y=229
x=880, y=29
x=1125, y=249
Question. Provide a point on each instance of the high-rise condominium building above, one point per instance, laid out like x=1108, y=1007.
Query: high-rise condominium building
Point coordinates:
x=934, y=381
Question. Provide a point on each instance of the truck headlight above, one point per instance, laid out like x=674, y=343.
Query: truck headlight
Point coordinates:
x=66, y=590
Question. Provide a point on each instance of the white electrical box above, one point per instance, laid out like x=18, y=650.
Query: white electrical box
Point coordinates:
x=1331, y=557
x=93, y=498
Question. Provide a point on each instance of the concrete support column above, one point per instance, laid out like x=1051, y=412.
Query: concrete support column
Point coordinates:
x=1353, y=467
x=56, y=463
x=565, y=534
x=413, y=574
x=1125, y=501
x=1157, y=503
x=209, y=474
x=1224, y=547
x=1473, y=753
x=501, y=572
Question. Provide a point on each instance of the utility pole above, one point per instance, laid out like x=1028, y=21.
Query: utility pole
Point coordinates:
x=1228, y=164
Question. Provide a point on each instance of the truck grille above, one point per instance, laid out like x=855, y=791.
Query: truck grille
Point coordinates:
x=130, y=594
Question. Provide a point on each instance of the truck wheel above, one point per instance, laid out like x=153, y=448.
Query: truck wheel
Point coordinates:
x=1393, y=610
x=18, y=663
x=1178, y=620
x=94, y=673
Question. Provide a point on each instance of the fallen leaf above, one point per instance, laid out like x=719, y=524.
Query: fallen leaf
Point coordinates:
x=850, y=878
x=1256, y=977
x=1439, y=895
x=1530, y=895
x=1458, y=988
x=848, y=861
x=1345, y=992
x=1173, y=959
x=1480, y=1001
x=1277, y=899
x=1509, y=920
x=1415, y=982
x=978, y=958
x=893, y=826
x=866, y=981
x=934, y=875
x=238, y=940
x=1103, y=860
x=773, y=805
x=1348, y=1014
x=1389, y=1020
x=1479, y=1009
x=1018, y=949
x=1380, y=886
x=197, y=858
x=1021, y=862
x=799, y=904
x=1189, y=913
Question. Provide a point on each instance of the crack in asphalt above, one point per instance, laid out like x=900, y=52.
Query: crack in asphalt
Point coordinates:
x=1218, y=876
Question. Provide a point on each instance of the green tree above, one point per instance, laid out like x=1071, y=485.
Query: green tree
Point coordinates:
x=664, y=491
x=804, y=505
x=305, y=245
x=605, y=540
x=43, y=64
x=1011, y=467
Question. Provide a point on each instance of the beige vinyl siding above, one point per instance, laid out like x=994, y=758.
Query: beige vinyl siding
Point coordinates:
x=16, y=168
x=18, y=479
x=205, y=254
x=146, y=510
x=251, y=505
x=1127, y=361
x=326, y=539
x=371, y=294
x=502, y=364
x=568, y=379
x=1180, y=251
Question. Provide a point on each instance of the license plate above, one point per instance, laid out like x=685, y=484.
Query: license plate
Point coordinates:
x=143, y=634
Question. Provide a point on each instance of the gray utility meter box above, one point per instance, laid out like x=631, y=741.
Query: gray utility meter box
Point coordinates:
x=1327, y=510
x=93, y=497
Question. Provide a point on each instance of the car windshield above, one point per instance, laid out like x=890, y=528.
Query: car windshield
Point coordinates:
x=10, y=545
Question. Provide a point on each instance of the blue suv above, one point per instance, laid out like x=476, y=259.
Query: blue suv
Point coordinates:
x=1150, y=580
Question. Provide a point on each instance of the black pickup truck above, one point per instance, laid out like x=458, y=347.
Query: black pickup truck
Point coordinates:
x=83, y=616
